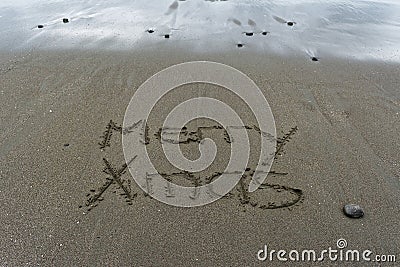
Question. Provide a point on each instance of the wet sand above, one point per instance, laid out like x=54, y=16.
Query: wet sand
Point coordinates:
x=342, y=119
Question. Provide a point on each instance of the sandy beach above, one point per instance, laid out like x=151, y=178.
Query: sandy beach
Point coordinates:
x=341, y=117
x=329, y=71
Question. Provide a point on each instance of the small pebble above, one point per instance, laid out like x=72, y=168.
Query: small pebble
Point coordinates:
x=249, y=34
x=314, y=59
x=166, y=36
x=150, y=31
x=65, y=20
x=264, y=33
x=239, y=45
x=40, y=26
x=66, y=145
x=353, y=211
x=290, y=23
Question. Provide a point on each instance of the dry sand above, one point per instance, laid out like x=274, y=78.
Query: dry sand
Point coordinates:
x=345, y=150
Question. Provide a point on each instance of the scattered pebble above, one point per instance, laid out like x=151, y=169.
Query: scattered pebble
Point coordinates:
x=166, y=36
x=249, y=33
x=239, y=45
x=65, y=20
x=40, y=26
x=290, y=23
x=314, y=59
x=150, y=31
x=353, y=211
x=264, y=33
x=66, y=145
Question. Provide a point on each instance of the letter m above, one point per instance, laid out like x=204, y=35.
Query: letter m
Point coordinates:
x=311, y=255
x=354, y=254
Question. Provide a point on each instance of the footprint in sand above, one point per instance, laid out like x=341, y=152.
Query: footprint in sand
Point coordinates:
x=173, y=7
x=283, y=21
x=252, y=27
x=235, y=21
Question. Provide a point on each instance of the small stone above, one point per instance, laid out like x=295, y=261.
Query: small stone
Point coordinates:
x=150, y=31
x=314, y=59
x=239, y=45
x=353, y=211
x=249, y=34
x=65, y=20
x=264, y=33
x=166, y=36
x=66, y=145
x=40, y=26
x=290, y=23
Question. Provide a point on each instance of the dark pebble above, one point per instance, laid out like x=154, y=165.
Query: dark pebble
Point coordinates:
x=264, y=33
x=290, y=23
x=239, y=45
x=249, y=34
x=150, y=31
x=65, y=20
x=314, y=59
x=66, y=145
x=40, y=26
x=353, y=211
x=166, y=36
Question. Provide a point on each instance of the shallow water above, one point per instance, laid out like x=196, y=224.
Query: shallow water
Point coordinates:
x=351, y=29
